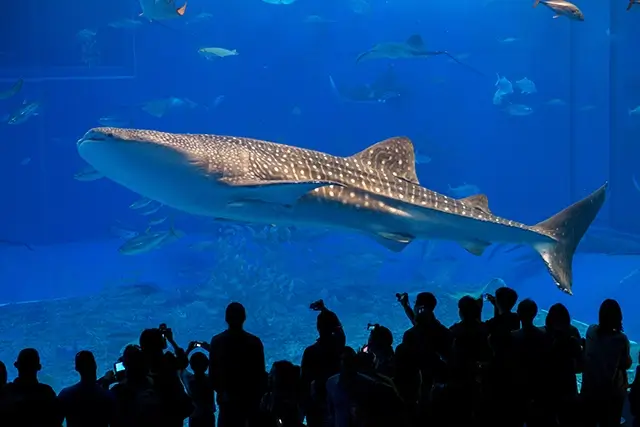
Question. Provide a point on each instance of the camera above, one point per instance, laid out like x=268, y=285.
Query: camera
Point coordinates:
x=118, y=367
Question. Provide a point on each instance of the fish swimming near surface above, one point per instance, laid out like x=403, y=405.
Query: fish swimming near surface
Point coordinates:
x=413, y=47
x=158, y=10
x=375, y=192
x=562, y=8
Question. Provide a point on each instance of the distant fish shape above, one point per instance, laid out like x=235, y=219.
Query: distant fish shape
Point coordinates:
x=26, y=111
x=216, y=52
x=13, y=90
x=519, y=110
x=413, y=47
x=149, y=241
x=158, y=10
x=562, y=8
x=631, y=3
x=635, y=111
x=526, y=86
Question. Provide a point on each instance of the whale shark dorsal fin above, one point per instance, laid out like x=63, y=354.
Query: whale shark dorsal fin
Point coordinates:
x=395, y=155
x=415, y=41
x=478, y=201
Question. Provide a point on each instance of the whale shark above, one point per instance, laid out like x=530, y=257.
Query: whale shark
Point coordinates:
x=375, y=192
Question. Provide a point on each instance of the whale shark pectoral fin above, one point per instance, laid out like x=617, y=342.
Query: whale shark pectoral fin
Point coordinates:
x=395, y=155
x=393, y=241
x=475, y=247
x=277, y=192
x=478, y=201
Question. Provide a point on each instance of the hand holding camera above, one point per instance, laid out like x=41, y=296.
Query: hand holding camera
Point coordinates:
x=403, y=298
x=166, y=332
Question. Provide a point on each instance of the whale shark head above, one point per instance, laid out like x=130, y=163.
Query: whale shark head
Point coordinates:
x=176, y=170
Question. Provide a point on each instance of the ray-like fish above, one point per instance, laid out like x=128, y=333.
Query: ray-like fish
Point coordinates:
x=413, y=47
x=375, y=192
x=382, y=90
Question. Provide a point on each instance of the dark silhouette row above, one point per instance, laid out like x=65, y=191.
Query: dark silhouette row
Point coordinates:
x=503, y=372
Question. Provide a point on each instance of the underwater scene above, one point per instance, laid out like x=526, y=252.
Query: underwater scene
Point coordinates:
x=344, y=150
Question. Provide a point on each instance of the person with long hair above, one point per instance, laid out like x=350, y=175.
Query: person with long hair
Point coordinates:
x=607, y=357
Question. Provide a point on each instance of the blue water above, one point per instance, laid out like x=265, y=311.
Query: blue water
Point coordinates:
x=79, y=292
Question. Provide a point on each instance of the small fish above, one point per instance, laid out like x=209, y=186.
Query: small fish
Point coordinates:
x=87, y=174
x=556, y=101
x=635, y=111
x=157, y=221
x=13, y=90
x=562, y=8
x=140, y=203
x=526, y=86
x=508, y=40
x=149, y=241
x=210, y=53
x=519, y=110
x=26, y=111
x=152, y=211
x=158, y=10
x=631, y=3
x=505, y=87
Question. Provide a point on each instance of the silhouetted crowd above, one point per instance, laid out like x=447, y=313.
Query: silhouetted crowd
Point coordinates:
x=502, y=372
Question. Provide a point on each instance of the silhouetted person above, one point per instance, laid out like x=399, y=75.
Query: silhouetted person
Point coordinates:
x=164, y=369
x=407, y=378
x=280, y=406
x=380, y=345
x=607, y=358
x=237, y=371
x=430, y=341
x=469, y=357
x=634, y=397
x=528, y=352
x=504, y=322
x=87, y=403
x=26, y=402
x=138, y=404
x=562, y=362
x=320, y=361
x=200, y=389
x=3, y=375
x=339, y=391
